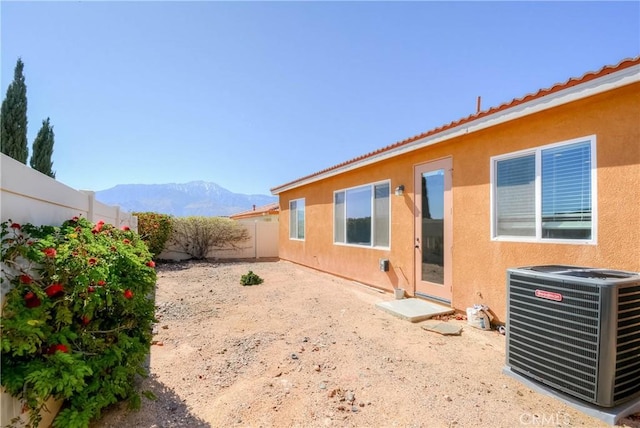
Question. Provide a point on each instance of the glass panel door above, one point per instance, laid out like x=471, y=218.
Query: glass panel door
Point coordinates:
x=433, y=229
x=433, y=226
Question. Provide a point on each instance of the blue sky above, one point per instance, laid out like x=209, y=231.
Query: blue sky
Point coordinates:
x=251, y=95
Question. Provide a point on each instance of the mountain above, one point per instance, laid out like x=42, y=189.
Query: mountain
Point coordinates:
x=189, y=199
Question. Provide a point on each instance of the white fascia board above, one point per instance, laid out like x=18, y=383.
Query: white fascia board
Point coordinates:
x=564, y=96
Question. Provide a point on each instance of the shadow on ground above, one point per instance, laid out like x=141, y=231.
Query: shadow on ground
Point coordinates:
x=166, y=410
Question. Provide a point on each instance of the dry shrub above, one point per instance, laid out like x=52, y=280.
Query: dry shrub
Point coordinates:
x=197, y=236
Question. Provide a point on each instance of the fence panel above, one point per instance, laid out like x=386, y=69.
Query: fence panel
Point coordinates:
x=28, y=196
x=267, y=234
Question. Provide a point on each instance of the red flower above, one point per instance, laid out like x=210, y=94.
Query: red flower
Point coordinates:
x=92, y=261
x=128, y=294
x=126, y=241
x=125, y=228
x=25, y=279
x=29, y=243
x=91, y=289
x=54, y=290
x=59, y=347
x=151, y=264
x=113, y=248
x=98, y=227
x=75, y=219
x=50, y=252
x=15, y=226
x=85, y=320
x=31, y=300
x=102, y=283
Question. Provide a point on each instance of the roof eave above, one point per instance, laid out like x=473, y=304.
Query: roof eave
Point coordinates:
x=566, y=95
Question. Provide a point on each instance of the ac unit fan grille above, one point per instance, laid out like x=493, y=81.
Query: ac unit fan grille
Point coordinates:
x=555, y=342
x=627, y=379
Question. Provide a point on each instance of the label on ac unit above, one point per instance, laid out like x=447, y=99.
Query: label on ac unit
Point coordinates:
x=549, y=295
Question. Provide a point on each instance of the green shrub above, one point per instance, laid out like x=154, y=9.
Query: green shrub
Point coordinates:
x=155, y=230
x=77, y=317
x=251, y=279
x=197, y=236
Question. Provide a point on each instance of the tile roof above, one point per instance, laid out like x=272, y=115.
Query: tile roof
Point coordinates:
x=273, y=208
x=587, y=77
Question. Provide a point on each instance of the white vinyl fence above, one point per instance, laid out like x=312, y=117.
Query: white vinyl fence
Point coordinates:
x=28, y=196
x=262, y=243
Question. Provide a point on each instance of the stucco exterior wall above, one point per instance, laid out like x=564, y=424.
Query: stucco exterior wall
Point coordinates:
x=480, y=263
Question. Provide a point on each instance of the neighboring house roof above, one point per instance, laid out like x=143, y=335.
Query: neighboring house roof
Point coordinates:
x=269, y=209
x=591, y=83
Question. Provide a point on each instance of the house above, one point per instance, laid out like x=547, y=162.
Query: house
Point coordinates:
x=267, y=212
x=550, y=178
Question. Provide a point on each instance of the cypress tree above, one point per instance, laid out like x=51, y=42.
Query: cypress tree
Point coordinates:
x=43, y=149
x=13, y=118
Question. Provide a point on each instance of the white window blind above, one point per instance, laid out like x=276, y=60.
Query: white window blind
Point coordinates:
x=545, y=193
x=338, y=217
x=296, y=219
x=566, y=191
x=381, y=215
x=515, y=196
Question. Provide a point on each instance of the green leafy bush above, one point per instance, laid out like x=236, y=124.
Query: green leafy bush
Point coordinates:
x=77, y=317
x=250, y=279
x=155, y=230
x=197, y=236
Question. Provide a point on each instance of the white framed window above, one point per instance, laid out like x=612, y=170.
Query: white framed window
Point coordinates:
x=296, y=219
x=362, y=215
x=546, y=194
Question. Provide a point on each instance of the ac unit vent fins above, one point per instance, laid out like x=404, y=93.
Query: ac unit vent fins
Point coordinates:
x=576, y=330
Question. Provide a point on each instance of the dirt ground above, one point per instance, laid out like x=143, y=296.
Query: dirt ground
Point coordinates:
x=307, y=349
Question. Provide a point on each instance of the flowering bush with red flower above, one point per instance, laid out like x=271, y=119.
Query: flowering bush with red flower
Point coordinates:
x=54, y=290
x=77, y=317
x=50, y=252
x=155, y=230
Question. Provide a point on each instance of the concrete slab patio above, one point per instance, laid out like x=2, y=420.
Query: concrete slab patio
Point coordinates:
x=414, y=310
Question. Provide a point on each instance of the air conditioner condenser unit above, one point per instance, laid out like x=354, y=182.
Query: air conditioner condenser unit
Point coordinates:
x=576, y=330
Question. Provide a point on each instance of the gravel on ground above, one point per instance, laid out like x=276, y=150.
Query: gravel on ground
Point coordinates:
x=308, y=349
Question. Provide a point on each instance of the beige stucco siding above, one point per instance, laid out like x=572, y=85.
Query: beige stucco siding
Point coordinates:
x=480, y=263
